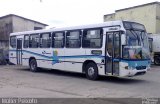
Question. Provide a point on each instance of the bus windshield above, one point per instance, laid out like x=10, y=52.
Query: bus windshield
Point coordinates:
x=137, y=38
x=137, y=45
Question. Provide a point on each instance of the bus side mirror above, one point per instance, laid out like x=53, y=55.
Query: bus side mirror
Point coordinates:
x=123, y=39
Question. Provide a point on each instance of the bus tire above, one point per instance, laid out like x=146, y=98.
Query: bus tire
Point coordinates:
x=91, y=71
x=33, y=65
x=157, y=60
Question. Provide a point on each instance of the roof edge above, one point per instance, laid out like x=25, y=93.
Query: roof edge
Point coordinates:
x=22, y=18
x=110, y=14
x=156, y=2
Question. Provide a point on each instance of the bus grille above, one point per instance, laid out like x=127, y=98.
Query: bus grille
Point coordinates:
x=140, y=67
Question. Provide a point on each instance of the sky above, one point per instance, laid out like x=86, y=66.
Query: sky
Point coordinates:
x=60, y=13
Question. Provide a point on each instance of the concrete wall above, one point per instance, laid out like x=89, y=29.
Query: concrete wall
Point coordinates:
x=9, y=24
x=20, y=24
x=4, y=44
x=109, y=17
x=158, y=19
x=143, y=14
x=5, y=28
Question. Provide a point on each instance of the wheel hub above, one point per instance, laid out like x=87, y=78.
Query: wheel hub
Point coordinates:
x=91, y=71
x=33, y=66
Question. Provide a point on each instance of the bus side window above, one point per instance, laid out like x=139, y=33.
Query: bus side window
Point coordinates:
x=92, y=38
x=26, y=41
x=13, y=41
x=58, y=40
x=34, y=41
x=45, y=40
x=73, y=39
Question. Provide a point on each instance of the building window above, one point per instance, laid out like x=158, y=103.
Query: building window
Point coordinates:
x=13, y=41
x=34, y=41
x=73, y=39
x=26, y=41
x=58, y=40
x=38, y=28
x=92, y=38
x=45, y=40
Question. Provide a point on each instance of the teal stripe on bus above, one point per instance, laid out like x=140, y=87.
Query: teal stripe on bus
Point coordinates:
x=62, y=57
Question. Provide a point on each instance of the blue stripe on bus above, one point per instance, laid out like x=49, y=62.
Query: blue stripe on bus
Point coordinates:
x=134, y=63
x=83, y=56
x=61, y=57
x=135, y=59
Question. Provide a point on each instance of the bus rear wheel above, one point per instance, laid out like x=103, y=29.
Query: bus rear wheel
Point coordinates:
x=91, y=71
x=157, y=60
x=33, y=65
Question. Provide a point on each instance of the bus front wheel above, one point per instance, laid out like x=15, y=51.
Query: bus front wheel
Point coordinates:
x=33, y=65
x=91, y=71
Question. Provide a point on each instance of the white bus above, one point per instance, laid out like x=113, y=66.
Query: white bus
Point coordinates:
x=114, y=48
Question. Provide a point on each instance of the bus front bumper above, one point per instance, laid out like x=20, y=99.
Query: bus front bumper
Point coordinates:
x=132, y=68
x=129, y=71
x=135, y=72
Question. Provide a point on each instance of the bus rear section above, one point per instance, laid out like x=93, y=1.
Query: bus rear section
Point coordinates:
x=15, y=50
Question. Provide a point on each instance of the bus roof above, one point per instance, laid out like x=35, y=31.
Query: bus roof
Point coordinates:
x=105, y=24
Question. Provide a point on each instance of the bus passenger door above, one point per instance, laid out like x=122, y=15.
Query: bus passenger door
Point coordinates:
x=112, y=53
x=19, y=51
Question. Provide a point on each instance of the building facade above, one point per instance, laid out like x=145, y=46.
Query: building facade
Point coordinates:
x=147, y=14
x=14, y=23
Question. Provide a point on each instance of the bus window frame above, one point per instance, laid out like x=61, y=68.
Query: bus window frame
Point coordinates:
x=24, y=40
x=120, y=45
x=15, y=43
x=52, y=38
x=38, y=39
x=80, y=38
x=101, y=36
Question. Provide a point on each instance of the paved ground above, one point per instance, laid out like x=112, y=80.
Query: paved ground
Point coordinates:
x=17, y=81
